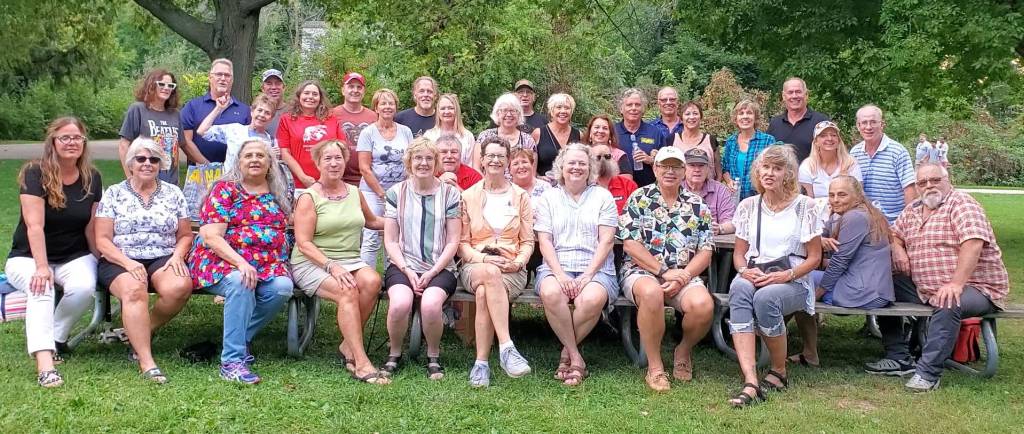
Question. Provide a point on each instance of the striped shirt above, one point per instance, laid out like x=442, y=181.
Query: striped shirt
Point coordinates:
x=737, y=163
x=886, y=174
x=421, y=222
x=574, y=225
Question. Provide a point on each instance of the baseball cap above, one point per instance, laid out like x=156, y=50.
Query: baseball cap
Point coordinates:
x=696, y=156
x=822, y=126
x=272, y=73
x=670, y=153
x=523, y=83
x=354, y=76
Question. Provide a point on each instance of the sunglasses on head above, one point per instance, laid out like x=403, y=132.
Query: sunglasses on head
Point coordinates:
x=603, y=156
x=142, y=159
x=167, y=84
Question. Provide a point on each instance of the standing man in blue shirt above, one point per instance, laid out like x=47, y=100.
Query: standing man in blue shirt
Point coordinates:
x=198, y=149
x=668, y=122
x=795, y=125
x=640, y=140
x=886, y=165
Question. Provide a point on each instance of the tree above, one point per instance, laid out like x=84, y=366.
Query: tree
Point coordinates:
x=231, y=35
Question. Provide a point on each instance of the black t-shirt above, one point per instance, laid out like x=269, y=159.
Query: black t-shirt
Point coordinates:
x=415, y=121
x=548, y=148
x=64, y=228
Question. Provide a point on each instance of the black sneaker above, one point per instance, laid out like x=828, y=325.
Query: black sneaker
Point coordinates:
x=890, y=367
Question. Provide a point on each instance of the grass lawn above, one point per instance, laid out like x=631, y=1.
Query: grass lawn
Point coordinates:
x=104, y=392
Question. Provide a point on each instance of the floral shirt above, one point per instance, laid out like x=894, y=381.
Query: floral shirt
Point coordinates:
x=256, y=230
x=144, y=230
x=673, y=234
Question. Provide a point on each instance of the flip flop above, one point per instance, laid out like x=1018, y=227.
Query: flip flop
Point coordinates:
x=799, y=358
x=375, y=377
x=155, y=375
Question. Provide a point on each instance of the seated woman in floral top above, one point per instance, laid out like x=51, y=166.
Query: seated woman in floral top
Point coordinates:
x=242, y=253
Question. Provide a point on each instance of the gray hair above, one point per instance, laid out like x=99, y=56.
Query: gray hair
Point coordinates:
x=277, y=185
x=507, y=99
x=449, y=139
x=631, y=92
x=935, y=165
x=560, y=160
x=868, y=108
x=222, y=61
x=143, y=143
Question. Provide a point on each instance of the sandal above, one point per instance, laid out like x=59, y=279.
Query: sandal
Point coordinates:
x=391, y=365
x=772, y=387
x=575, y=375
x=658, y=382
x=155, y=375
x=50, y=379
x=375, y=377
x=799, y=358
x=349, y=364
x=744, y=399
x=434, y=369
x=563, y=368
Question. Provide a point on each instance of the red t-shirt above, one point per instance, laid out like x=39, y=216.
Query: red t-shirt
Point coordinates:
x=621, y=187
x=467, y=176
x=300, y=134
x=351, y=125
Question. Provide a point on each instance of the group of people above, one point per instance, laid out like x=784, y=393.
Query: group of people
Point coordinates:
x=531, y=194
x=928, y=152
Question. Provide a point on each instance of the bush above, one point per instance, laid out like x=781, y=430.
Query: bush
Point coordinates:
x=25, y=116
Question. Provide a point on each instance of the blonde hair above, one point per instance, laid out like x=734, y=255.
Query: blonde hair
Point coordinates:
x=560, y=161
x=846, y=161
x=460, y=128
x=318, y=149
x=560, y=98
x=746, y=103
x=421, y=144
x=781, y=155
x=49, y=164
x=380, y=93
x=878, y=225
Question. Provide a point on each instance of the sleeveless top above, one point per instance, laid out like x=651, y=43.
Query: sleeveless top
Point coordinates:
x=548, y=148
x=704, y=145
x=339, y=226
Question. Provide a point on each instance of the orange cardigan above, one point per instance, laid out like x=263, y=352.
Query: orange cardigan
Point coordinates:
x=515, y=242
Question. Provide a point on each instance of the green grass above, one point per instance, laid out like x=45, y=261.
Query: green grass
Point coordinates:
x=103, y=391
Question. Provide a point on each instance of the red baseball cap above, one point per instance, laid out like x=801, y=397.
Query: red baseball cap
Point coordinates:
x=354, y=76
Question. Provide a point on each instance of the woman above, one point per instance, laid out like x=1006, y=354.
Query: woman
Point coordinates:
x=234, y=134
x=308, y=122
x=743, y=147
x=380, y=148
x=599, y=132
x=608, y=176
x=422, y=228
x=154, y=115
x=859, y=272
x=829, y=159
x=691, y=137
x=523, y=168
x=554, y=136
x=53, y=242
x=576, y=224
x=144, y=234
x=449, y=121
x=778, y=243
x=329, y=219
x=497, y=240
x=241, y=253
x=507, y=114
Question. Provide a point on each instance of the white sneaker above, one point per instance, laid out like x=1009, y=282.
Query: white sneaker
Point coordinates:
x=919, y=384
x=514, y=364
x=480, y=375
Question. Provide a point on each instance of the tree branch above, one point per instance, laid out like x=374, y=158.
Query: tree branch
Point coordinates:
x=250, y=6
x=193, y=30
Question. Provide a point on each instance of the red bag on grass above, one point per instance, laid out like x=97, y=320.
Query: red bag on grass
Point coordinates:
x=967, y=349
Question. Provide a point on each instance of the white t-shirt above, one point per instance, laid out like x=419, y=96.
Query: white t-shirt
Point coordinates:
x=386, y=154
x=498, y=210
x=820, y=181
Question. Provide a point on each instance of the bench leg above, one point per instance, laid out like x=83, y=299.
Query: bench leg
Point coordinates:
x=631, y=342
x=293, y=327
x=988, y=335
x=312, y=305
x=100, y=311
x=415, y=331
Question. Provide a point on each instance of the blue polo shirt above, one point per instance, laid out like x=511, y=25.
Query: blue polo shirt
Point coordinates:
x=649, y=138
x=665, y=131
x=886, y=175
x=198, y=108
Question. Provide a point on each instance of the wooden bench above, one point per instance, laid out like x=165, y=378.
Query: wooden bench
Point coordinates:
x=921, y=312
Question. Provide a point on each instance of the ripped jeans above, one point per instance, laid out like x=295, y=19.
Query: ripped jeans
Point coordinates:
x=766, y=306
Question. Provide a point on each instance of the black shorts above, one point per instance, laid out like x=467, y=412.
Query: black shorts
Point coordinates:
x=445, y=279
x=107, y=271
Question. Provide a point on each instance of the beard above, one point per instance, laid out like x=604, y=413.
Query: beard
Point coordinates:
x=607, y=169
x=932, y=200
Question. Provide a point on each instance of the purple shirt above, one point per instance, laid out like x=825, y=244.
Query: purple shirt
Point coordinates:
x=199, y=108
x=720, y=199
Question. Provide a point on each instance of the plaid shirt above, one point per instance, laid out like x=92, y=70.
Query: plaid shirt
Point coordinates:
x=738, y=164
x=933, y=244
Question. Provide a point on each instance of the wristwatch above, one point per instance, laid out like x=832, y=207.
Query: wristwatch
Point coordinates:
x=741, y=270
x=662, y=271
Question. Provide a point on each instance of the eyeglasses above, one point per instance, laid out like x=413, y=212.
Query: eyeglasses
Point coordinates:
x=671, y=167
x=69, y=139
x=498, y=157
x=221, y=74
x=167, y=84
x=922, y=183
x=668, y=99
x=869, y=123
x=603, y=157
x=142, y=159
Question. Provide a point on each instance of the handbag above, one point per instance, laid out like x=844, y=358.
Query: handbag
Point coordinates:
x=780, y=264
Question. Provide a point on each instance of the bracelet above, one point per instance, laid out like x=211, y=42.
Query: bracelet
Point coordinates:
x=327, y=265
x=792, y=274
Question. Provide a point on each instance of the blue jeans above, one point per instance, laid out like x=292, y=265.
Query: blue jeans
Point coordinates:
x=246, y=311
x=766, y=306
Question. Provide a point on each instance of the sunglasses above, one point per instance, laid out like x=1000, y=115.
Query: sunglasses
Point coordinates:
x=142, y=159
x=922, y=183
x=167, y=84
x=603, y=157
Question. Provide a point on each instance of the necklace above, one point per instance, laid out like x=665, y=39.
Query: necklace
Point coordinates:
x=776, y=207
x=135, y=192
x=336, y=196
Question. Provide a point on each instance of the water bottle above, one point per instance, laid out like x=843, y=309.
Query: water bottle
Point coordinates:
x=637, y=165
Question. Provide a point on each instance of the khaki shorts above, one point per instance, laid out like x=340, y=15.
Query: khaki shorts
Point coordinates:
x=308, y=277
x=514, y=282
x=675, y=302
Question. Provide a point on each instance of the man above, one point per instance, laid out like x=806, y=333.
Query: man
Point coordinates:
x=796, y=125
x=945, y=243
x=925, y=152
x=272, y=86
x=662, y=226
x=198, y=149
x=527, y=97
x=716, y=195
x=455, y=173
x=668, y=122
x=353, y=116
x=640, y=140
x=885, y=164
x=608, y=177
x=420, y=117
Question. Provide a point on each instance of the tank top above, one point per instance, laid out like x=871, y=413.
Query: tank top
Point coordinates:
x=548, y=148
x=704, y=145
x=339, y=226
